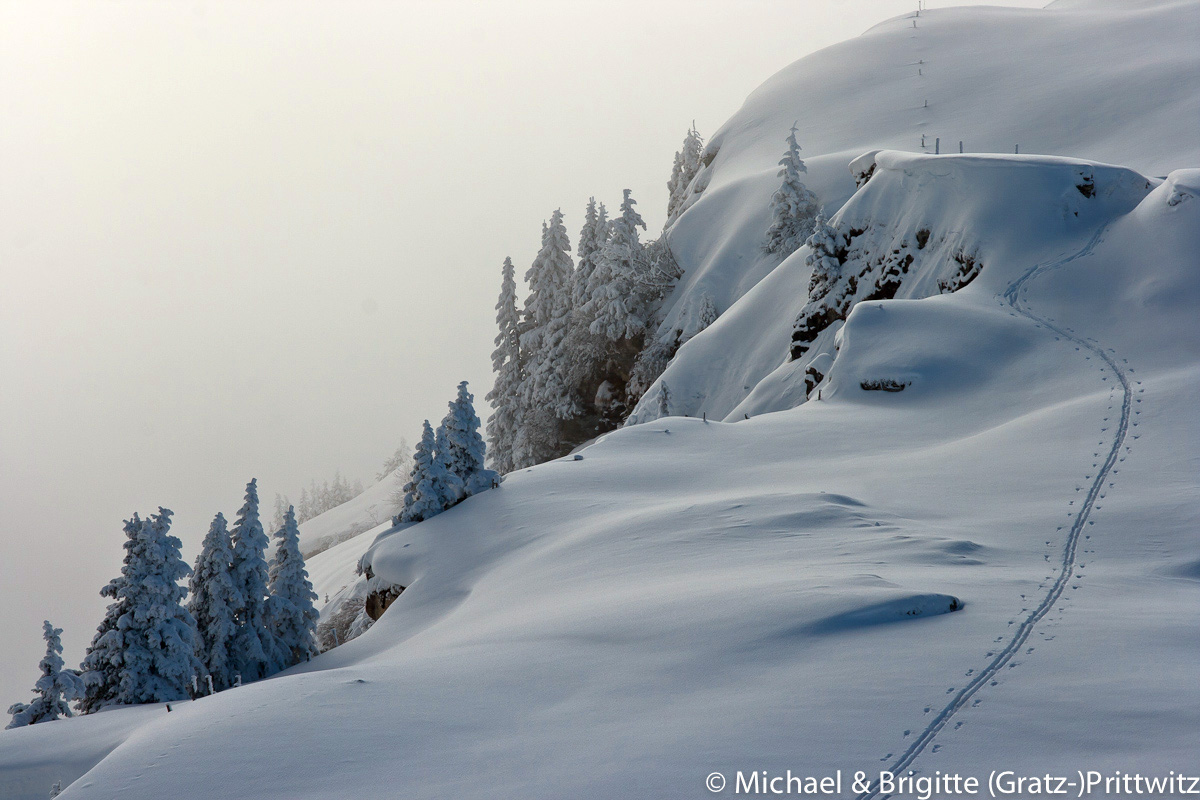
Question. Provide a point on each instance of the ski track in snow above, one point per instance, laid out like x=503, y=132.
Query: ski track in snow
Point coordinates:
x=1013, y=295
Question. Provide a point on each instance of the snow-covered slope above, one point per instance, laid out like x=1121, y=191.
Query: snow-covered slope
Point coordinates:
x=376, y=505
x=997, y=567
x=1115, y=82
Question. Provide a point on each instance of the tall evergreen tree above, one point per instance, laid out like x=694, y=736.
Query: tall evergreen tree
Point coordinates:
x=793, y=207
x=506, y=363
x=213, y=603
x=687, y=165
x=545, y=394
x=592, y=237
x=101, y=667
x=465, y=451
x=293, y=617
x=618, y=289
x=548, y=279
x=157, y=634
x=587, y=352
x=55, y=689
x=253, y=650
x=431, y=488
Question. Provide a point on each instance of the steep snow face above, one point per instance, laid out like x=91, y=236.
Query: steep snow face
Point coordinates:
x=1110, y=82
x=922, y=226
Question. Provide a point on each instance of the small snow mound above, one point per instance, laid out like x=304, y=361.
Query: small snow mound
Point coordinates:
x=1182, y=185
x=897, y=609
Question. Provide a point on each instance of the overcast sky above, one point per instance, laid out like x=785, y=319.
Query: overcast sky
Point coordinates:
x=263, y=239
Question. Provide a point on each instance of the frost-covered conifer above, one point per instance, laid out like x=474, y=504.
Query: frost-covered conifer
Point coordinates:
x=157, y=634
x=548, y=279
x=213, y=603
x=687, y=164
x=587, y=352
x=793, y=207
x=100, y=670
x=431, y=487
x=826, y=242
x=545, y=393
x=399, y=462
x=465, y=450
x=591, y=239
x=705, y=314
x=618, y=286
x=664, y=400
x=55, y=689
x=253, y=650
x=506, y=363
x=290, y=609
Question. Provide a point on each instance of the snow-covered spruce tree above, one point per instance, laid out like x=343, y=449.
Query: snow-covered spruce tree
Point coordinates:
x=664, y=400
x=687, y=164
x=465, y=452
x=705, y=314
x=828, y=246
x=100, y=670
x=545, y=394
x=290, y=609
x=253, y=651
x=55, y=690
x=618, y=286
x=213, y=603
x=431, y=487
x=587, y=352
x=506, y=363
x=399, y=462
x=592, y=237
x=158, y=635
x=793, y=207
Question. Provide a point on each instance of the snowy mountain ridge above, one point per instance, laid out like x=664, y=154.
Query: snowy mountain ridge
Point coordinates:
x=1111, y=82
x=969, y=545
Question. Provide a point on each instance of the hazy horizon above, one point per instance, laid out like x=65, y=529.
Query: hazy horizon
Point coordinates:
x=264, y=240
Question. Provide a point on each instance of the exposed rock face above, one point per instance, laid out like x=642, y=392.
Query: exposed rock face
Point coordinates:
x=379, y=600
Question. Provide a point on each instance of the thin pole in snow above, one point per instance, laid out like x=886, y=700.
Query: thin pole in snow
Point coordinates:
x=937, y=146
x=960, y=145
x=1017, y=149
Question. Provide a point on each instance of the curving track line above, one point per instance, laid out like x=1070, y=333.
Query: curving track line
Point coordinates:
x=1013, y=296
